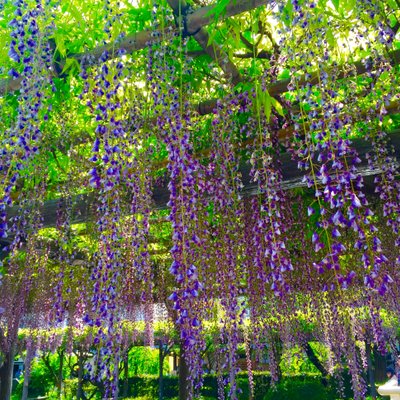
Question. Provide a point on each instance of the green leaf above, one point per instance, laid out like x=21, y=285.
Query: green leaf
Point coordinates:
x=285, y=74
x=267, y=105
x=287, y=13
x=73, y=10
x=384, y=75
x=243, y=87
x=60, y=44
x=349, y=5
x=211, y=38
x=330, y=38
x=278, y=107
x=392, y=4
x=336, y=4
x=219, y=9
x=236, y=30
x=71, y=65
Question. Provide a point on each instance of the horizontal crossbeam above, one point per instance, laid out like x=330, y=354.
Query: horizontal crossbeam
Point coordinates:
x=140, y=40
x=84, y=206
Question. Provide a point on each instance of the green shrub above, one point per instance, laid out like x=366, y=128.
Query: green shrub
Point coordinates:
x=295, y=389
x=147, y=385
x=295, y=361
x=145, y=360
x=41, y=380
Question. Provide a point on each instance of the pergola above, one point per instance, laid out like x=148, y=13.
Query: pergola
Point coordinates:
x=291, y=133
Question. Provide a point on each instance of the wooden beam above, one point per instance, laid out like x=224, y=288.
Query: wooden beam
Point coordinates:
x=281, y=86
x=282, y=134
x=180, y=9
x=203, y=16
x=137, y=41
x=219, y=56
x=84, y=206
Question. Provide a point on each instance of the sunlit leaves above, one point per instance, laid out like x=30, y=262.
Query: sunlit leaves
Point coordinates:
x=266, y=103
x=60, y=44
x=219, y=9
x=71, y=66
x=336, y=4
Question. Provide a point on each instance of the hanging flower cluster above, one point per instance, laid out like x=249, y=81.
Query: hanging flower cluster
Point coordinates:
x=227, y=232
x=174, y=124
x=21, y=149
x=21, y=142
x=106, y=177
x=138, y=179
